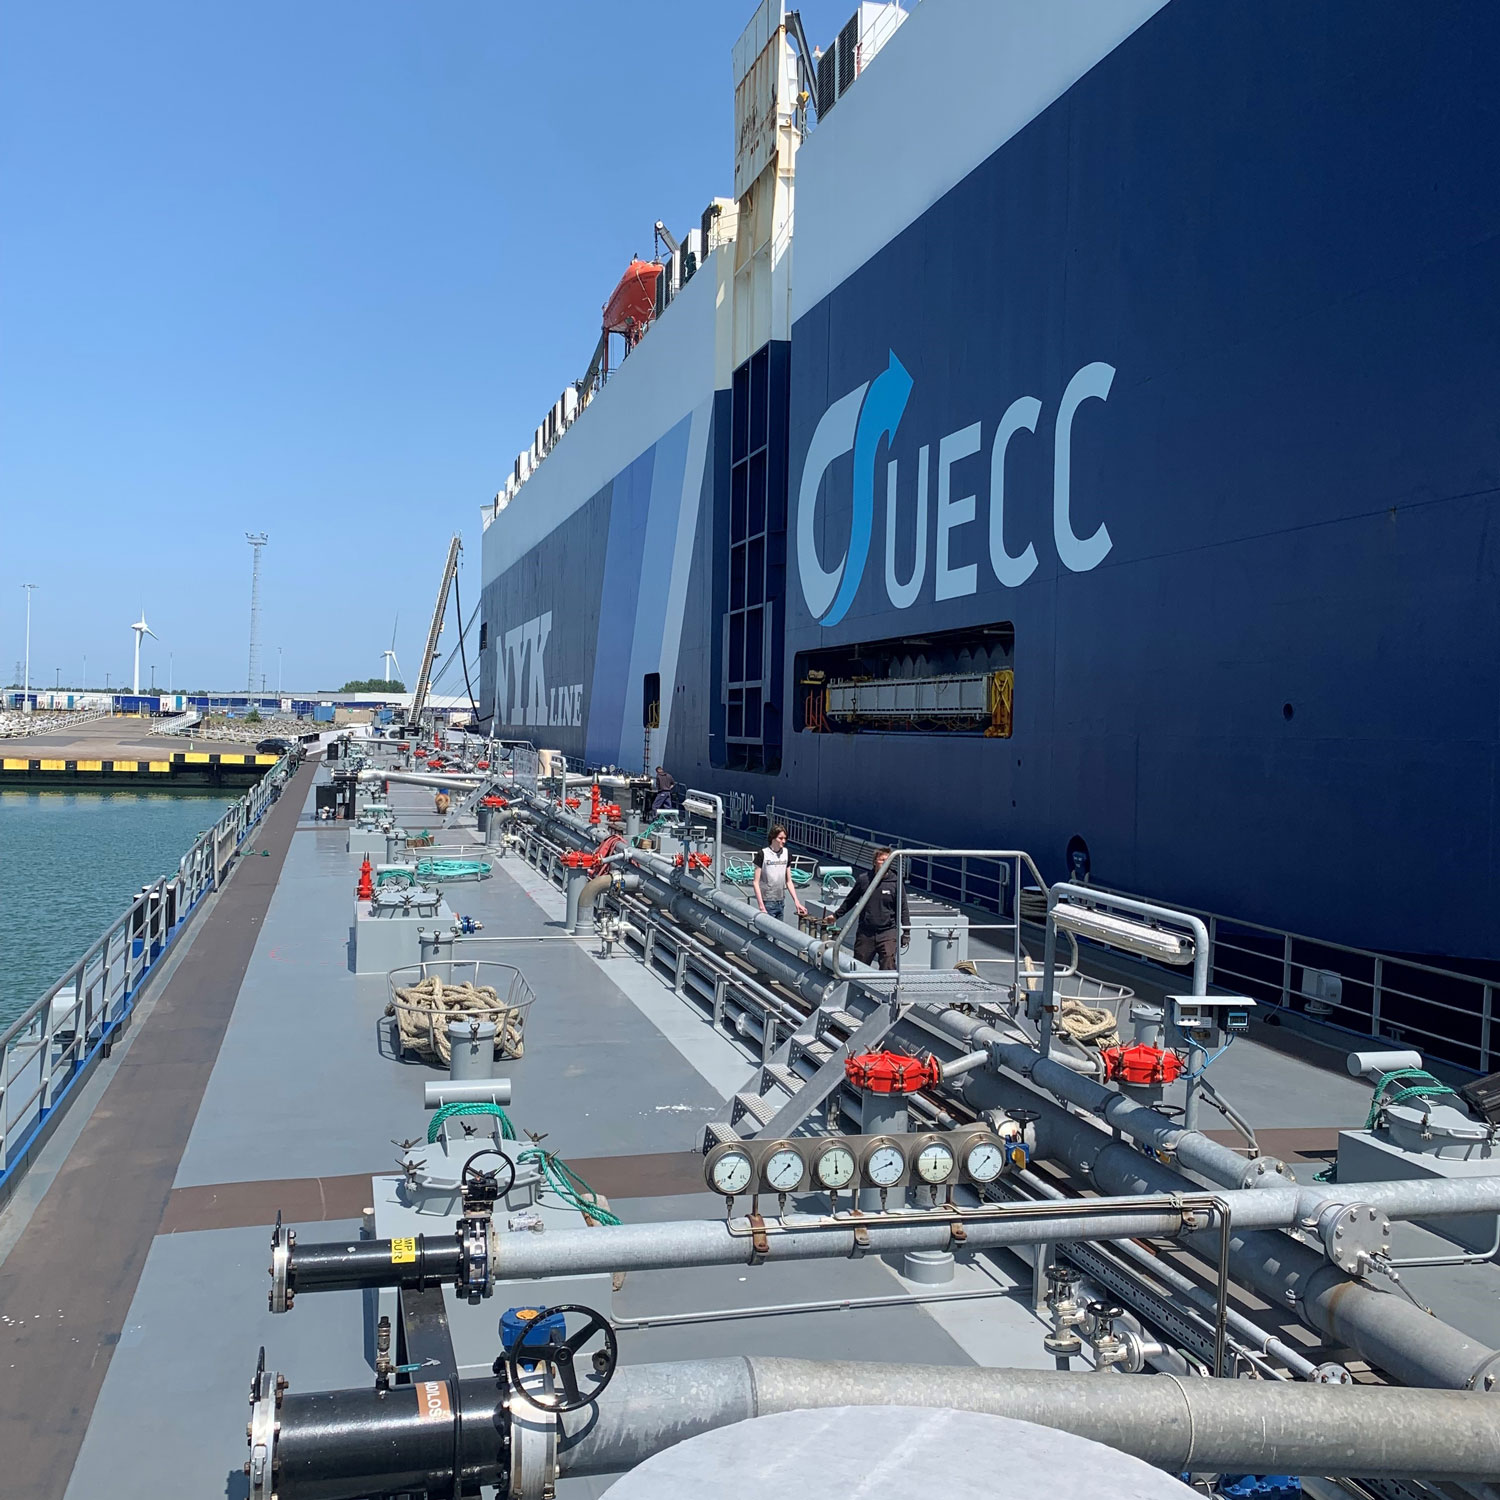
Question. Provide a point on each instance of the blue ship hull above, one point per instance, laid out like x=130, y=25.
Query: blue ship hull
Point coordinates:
x=1231, y=305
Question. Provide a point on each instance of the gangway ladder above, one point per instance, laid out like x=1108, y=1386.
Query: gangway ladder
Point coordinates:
x=804, y=1070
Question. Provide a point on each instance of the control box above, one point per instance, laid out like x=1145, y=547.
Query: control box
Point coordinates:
x=1210, y=1013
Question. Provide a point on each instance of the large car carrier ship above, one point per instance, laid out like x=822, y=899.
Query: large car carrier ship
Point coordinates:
x=1094, y=490
x=1104, y=453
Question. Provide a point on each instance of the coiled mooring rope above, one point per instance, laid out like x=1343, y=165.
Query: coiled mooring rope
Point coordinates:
x=1088, y=1025
x=423, y=1011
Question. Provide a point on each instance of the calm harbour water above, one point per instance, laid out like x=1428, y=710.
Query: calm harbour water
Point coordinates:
x=70, y=863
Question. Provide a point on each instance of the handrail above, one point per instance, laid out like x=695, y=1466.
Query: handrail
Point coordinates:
x=50, y=1045
x=1471, y=1042
x=903, y=858
x=1470, y=1048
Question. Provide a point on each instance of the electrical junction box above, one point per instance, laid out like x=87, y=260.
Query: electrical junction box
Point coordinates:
x=1227, y=1013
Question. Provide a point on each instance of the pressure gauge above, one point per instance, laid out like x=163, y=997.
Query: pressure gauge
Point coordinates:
x=884, y=1163
x=782, y=1168
x=834, y=1167
x=935, y=1161
x=984, y=1158
x=729, y=1170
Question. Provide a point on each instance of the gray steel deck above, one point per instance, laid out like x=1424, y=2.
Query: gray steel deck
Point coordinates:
x=129, y=1374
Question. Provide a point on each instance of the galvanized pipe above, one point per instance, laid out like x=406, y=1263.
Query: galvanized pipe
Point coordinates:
x=1193, y=1150
x=1182, y=1425
x=1188, y=1289
x=1385, y=1330
x=779, y=1005
x=423, y=778
x=679, y=1244
x=763, y=951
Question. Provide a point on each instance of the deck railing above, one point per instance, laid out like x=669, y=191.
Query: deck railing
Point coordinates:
x=1444, y=1013
x=49, y=1049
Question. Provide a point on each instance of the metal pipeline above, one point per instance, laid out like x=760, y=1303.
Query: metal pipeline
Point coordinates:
x=779, y=1005
x=424, y=778
x=1182, y=1425
x=1193, y=1150
x=342, y=1266
x=1385, y=1330
x=702, y=910
x=340, y=1445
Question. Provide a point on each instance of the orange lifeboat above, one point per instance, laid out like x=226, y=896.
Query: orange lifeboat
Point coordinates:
x=632, y=304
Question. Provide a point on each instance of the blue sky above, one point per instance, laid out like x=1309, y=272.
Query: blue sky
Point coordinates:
x=316, y=269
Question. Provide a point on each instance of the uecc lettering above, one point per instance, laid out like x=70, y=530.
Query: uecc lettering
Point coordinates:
x=872, y=412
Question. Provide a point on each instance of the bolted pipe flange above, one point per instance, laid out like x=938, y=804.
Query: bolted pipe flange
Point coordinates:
x=1354, y=1236
x=266, y=1390
x=1331, y=1373
x=282, y=1241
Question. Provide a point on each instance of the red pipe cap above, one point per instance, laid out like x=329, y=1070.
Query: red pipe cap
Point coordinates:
x=891, y=1072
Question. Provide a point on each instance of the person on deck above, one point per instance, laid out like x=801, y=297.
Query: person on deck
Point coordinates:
x=884, y=920
x=666, y=784
x=773, y=869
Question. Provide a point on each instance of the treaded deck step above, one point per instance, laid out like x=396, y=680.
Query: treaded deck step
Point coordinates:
x=783, y=1077
x=717, y=1133
x=840, y=1018
x=819, y=1052
x=760, y=1110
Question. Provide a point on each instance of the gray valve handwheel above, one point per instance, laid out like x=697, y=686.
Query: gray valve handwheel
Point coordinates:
x=559, y=1355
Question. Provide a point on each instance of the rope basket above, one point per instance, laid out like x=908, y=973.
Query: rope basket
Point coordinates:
x=427, y=998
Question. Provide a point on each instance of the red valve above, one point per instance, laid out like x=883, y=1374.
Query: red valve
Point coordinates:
x=420, y=753
x=403, y=745
x=481, y=765
x=1141, y=1065
x=493, y=802
x=581, y=859
x=696, y=861
x=366, y=888
x=574, y=803
x=891, y=1072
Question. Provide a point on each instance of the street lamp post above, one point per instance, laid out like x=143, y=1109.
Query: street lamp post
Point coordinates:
x=26, y=675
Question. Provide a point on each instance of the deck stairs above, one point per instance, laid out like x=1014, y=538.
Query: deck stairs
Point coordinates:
x=805, y=1069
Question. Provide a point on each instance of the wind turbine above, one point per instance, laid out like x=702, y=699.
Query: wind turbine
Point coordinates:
x=141, y=628
x=390, y=651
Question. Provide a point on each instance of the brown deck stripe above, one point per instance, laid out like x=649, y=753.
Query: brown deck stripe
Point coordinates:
x=1306, y=1143
x=311, y=1200
x=86, y=1244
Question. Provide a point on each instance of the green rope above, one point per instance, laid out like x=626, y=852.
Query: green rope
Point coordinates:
x=563, y=1181
x=448, y=1111
x=1420, y=1085
x=451, y=869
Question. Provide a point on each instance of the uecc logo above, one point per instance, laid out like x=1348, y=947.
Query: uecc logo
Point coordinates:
x=872, y=412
